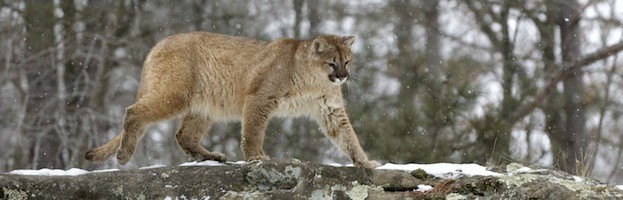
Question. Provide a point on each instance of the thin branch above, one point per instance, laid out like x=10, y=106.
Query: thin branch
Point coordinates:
x=568, y=68
x=12, y=8
x=484, y=26
x=460, y=40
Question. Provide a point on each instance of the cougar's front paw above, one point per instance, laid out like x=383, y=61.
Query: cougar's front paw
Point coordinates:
x=216, y=156
x=257, y=158
x=123, y=156
x=371, y=164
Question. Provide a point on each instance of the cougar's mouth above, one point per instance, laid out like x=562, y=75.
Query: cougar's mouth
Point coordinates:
x=337, y=80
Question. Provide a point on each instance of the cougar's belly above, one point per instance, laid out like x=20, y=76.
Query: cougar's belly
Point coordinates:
x=218, y=96
x=217, y=110
x=296, y=106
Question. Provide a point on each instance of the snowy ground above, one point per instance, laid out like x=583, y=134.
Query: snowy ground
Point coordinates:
x=441, y=170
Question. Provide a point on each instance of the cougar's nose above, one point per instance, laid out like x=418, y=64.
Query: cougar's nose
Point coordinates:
x=343, y=75
x=342, y=78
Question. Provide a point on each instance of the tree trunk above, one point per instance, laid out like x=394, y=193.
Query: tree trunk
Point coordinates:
x=574, y=141
x=432, y=63
x=314, y=17
x=406, y=52
x=553, y=104
x=39, y=119
x=298, y=17
x=494, y=136
x=431, y=24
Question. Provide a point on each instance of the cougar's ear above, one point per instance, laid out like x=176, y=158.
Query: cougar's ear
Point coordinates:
x=348, y=40
x=319, y=45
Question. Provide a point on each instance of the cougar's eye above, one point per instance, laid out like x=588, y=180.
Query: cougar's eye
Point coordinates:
x=346, y=63
x=332, y=65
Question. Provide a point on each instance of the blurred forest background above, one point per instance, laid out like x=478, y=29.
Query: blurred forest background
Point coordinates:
x=485, y=81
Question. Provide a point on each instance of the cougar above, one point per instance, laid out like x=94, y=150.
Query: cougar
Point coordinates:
x=204, y=78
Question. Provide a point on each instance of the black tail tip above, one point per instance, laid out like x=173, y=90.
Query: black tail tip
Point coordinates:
x=89, y=155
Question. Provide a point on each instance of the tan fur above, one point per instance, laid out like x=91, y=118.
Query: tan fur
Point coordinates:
x=206, y=77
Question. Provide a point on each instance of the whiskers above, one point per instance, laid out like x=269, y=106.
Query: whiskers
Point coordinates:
x=353, y=84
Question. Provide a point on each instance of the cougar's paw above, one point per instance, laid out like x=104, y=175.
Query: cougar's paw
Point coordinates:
x=216, y=156
x=123, y=156
x=93, y=155
x=371, y=164
x=258, y=158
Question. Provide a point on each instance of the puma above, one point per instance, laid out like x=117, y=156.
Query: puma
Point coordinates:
x=206, y=77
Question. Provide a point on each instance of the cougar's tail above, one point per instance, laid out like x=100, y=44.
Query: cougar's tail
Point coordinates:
x=105, y=151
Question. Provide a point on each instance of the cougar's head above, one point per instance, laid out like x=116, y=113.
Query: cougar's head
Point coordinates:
x=333, y=55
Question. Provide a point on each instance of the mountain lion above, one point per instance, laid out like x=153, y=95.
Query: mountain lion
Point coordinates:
x=205, y=77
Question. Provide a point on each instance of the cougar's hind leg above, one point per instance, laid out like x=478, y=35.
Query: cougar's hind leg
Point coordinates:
x=141, y=114
x=192, y=129
x=105, y=151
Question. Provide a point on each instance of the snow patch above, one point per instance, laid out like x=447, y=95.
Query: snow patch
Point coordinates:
x=185, y=198
x=106, y=170
x=444, y=170
x=171, y=186
x=153, y=166
x=240, y=162
x=203, y=163
x=515, y=168
x=211, y=163
x=338, y=165
x=50, y=172
x=523, y=170
x=423, y=188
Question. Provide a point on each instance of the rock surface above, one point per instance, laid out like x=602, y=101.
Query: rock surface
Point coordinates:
x=292, y=179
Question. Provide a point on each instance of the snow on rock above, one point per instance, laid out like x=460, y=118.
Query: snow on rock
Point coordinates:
x=339, y=165
x=514, y=169
x=106, y=170
x=50, y=172
x=203, y=163
x=444, y=170
x=184, y=198
x=76, y=171
x=423, y=188
x=153, y=166
x=210, y=163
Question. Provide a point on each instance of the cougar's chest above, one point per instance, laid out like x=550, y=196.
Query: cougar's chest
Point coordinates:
x=296, y=105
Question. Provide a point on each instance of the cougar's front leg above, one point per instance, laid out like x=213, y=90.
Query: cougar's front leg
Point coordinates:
x=256, y=114
x=335, y=124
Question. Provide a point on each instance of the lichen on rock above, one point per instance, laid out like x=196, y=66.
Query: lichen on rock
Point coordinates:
x=13, y=194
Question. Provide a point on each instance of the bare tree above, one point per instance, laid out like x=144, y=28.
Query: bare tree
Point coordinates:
x=575, y=142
